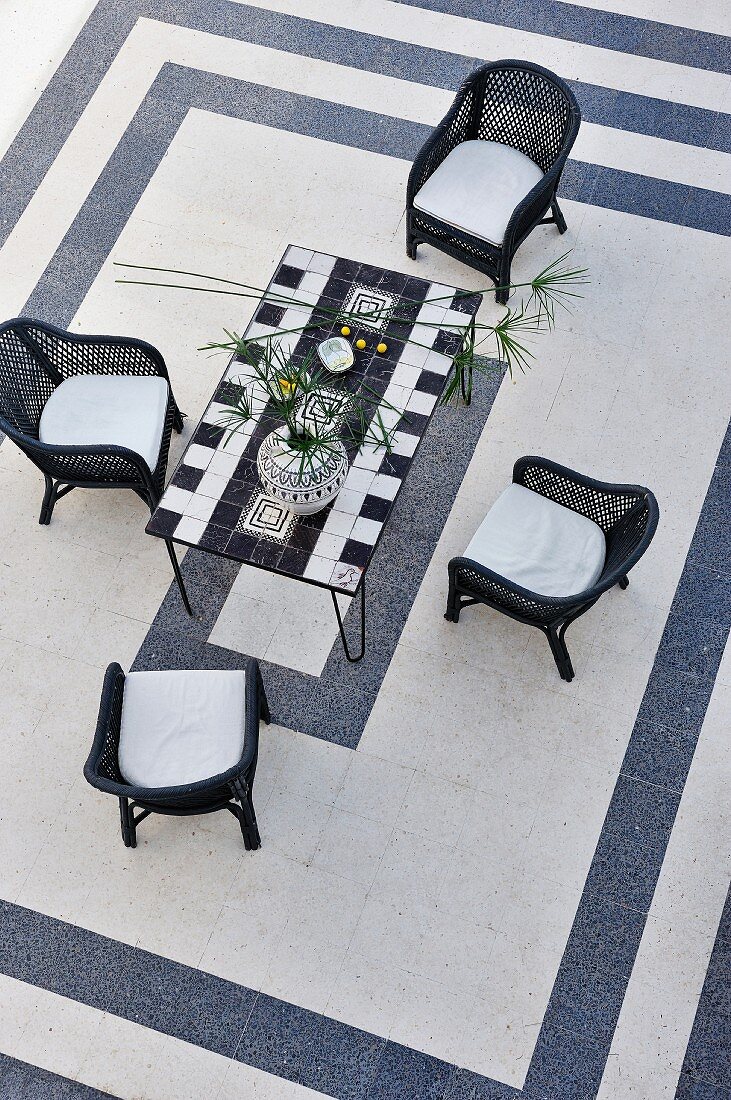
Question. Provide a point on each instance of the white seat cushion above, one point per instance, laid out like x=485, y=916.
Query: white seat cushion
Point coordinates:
x=538, y=544
x=477, y=187
x=92, y=409
x=181, y=727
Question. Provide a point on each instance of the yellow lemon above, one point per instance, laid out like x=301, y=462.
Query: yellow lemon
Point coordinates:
x=345, y=330
x=382, y=349
x=285, y=385
x=360, y=344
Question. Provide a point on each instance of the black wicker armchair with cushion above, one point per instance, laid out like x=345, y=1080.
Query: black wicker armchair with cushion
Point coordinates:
x=552, y=543
x=88, y=411
x=489, y=173
x=179, y=743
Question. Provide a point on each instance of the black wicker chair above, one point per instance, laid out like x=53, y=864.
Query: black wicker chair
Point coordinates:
x=628, y=516
x=515, y=104
x=229, y=790
x=35, y=359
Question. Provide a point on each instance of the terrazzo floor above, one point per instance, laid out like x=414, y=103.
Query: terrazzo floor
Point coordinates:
x=480, y=883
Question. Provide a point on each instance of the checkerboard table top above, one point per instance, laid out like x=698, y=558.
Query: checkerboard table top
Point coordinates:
x=215, y=501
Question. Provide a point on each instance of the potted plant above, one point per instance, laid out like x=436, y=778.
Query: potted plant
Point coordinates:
x=302, y=461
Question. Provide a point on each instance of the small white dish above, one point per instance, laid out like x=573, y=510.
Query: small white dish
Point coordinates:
x=336, y=354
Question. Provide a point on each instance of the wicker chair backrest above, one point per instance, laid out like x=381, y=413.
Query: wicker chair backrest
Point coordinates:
x=73, y=355
x=605, y=508
x=524, y=109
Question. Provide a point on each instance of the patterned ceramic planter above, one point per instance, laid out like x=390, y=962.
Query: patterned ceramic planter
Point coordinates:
x=307, y=490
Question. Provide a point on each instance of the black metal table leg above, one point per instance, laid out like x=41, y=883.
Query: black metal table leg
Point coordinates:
x=466, y=385
x=179, y=577
x=352, y=658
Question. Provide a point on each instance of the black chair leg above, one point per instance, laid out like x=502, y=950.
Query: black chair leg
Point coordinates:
x=53, y=493
x=264, y=714
x=249, y=827
x=453, y=608
x=558, y=216
x=129, y=829
x=503, y=292
x=566, y=656
x=243, y=809
x=560, y=654
x=178, y=420
x=411, y=245
x=623, y=582
x=48, y=502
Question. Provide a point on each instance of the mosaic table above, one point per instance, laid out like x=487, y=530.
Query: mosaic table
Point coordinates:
x=215, y=501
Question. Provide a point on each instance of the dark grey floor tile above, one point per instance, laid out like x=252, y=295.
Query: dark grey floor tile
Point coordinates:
x=642, y=813
x=675, y=699
x=605, y=935
x=405, y=1074
x=659, y=756
x=21, y=1081
x=564, y=1066
x=465, y=1085
x=708, y=1056
x=690, y=1088
x=586, y=1000
x=624, y=874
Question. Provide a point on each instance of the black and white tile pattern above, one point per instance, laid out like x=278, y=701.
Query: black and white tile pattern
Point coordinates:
x=214, y=500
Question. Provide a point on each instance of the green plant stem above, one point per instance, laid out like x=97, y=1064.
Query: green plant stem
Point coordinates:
x=548, y=289
x=428, y=301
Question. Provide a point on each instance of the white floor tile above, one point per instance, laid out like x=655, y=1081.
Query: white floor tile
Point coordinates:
x=352, y=846
x=367, y=994
x=374, y=788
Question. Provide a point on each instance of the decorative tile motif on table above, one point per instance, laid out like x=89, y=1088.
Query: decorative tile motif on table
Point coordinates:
x=346, y=576
x=327, y=406
x=368, y=307
x=267, y=518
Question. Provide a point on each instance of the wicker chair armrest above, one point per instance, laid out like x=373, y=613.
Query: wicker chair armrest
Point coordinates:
x=456, y=126
x=254, y=689
x=513, y=597
x=101, y=769
x=629, y=538
x=531, y=209
x=99, y=463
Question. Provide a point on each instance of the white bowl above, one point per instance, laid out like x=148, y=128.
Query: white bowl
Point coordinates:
x=336, y=354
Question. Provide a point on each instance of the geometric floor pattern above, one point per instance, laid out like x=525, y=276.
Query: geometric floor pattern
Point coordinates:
x=476, y=881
